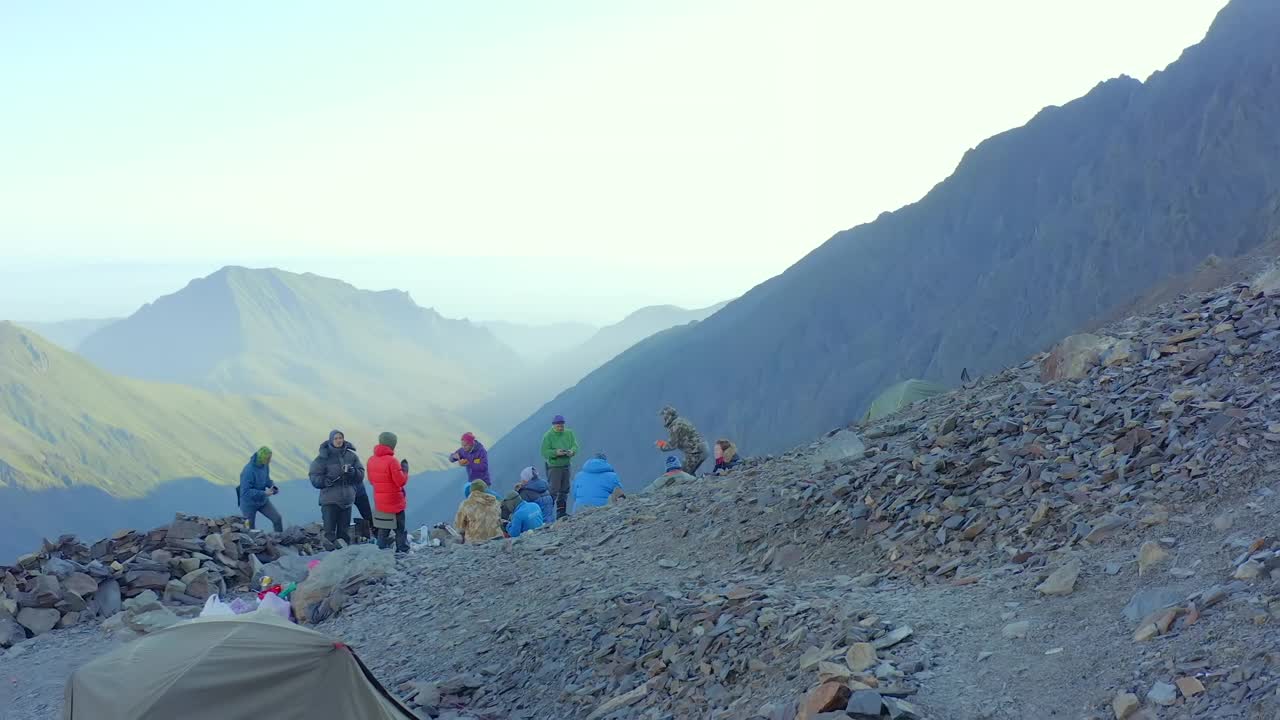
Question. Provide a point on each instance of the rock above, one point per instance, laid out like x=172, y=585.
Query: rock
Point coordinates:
x=1074, y=357
x=213, y=544
x=842, y=445
x=38, y=620
x=1189, y=686
x=47, y=591
x=69, y=620
x=1017, y=630
x=860, y=656
x=1062, y=581
x=1146, y=602
x=151, y=621
x=107, y=598
x=833, y=671
x=865, y=704
x=1162, y=693
x=183, y=529
x=828, y=696
x=1105, y=527
x=1125, y=705
x=626, y=699
x=353, y=564
x=1119, y=353
x=893, y=638
x=1223, y=522
x=1150, y=555
x=147, y=579
x=80, y=584
x=11, y=633
x=1248, y=571
x=142, y=602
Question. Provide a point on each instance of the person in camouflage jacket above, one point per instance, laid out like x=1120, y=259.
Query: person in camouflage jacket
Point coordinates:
x=685, y=438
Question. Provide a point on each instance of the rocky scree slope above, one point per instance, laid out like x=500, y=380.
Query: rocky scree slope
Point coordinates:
x=1090, y=534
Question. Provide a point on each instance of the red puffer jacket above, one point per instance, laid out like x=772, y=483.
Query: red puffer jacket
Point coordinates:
x=387, y=479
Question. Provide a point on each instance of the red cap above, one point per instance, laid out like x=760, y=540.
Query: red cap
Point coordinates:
x=468, y=438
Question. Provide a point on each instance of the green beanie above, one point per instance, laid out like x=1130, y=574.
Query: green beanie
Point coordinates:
x=387, y=438
x=263, y=455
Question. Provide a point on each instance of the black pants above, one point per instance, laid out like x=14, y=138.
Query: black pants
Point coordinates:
x=558, y=479
x=269, y=512
x=402, y=535
x=337, y=522
x=366, y=512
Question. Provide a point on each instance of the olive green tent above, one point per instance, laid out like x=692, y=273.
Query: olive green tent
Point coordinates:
x=243, y=666
x=901, y=395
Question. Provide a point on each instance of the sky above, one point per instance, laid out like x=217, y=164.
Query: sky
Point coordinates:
x=536, y=162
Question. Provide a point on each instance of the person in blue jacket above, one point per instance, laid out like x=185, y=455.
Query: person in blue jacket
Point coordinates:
x=255, y=490
x=595, y=483
x=536, y=490
x=527, y=516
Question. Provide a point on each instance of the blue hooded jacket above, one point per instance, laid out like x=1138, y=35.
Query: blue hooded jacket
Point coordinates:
x=527, y=516
x=255, y=479
x=539, y=492
x=593, y=485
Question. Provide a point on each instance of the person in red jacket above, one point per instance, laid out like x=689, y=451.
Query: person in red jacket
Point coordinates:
x=388, y=476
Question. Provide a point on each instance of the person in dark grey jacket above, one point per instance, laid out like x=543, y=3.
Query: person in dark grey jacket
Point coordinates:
x=337, y=474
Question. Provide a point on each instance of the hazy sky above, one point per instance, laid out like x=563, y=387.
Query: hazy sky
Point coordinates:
x=532, y=160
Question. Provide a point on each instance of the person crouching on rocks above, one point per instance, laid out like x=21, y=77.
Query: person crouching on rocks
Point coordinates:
x=388, y=476
x=536, y=490
x=726, y=457
x=596, y=484
x=337, y=473
x=526, y=516
x=255, y=490
x=479, y=518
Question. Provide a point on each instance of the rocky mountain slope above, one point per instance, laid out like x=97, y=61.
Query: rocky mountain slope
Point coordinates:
x=1038, y=231
x=1091, y=534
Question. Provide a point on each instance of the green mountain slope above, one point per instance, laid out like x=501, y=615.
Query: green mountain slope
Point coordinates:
x=364, y=357
x=1039, y=230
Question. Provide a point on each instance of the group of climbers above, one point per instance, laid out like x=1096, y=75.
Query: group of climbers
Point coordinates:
x=483, y=515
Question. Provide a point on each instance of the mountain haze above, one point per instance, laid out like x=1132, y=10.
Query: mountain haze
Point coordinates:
x=536, y=343
x=1039, y=230
x=67, y=334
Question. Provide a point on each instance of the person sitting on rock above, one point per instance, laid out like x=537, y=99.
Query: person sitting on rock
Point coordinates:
x=726, y=457
x=683, y=436
x=596, y=484
x=527, y=516
x=479, y=518
x=675, y=473
x=388, y=476
x=538, y=491
x=255, y=490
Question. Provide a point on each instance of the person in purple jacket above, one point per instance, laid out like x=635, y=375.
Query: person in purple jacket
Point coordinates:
x=474, y=458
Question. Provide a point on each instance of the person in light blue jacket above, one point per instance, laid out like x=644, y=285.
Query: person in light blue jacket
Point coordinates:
x=255, y=490
x=595, y=483
x=527, y=516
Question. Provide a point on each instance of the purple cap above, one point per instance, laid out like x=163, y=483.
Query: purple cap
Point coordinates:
x=557, y=420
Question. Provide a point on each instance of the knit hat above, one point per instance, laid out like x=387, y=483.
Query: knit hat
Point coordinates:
x=468, y=438
x=557, y=420
x=263, y=455
x=528, y=474
x=602, y=456
x=478, y=486
x=673, y=463
x=387, y=438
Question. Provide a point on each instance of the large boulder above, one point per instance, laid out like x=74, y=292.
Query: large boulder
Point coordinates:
x=340, y=572
x=39, y=620
x=1076, y=355
x=11, y=633
x=80, y=584
x=108, y=598
x=843, y=444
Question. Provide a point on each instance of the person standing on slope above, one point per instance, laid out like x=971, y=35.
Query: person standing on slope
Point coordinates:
x=337, y=473
x=683, y=437
x=388, y=476
x=536, y=490
x=479, y=517
x=474, y=458
x=559, y=445
x=255, y=490
x=596, y=484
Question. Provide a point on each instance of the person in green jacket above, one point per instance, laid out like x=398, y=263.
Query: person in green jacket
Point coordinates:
x=558, y=448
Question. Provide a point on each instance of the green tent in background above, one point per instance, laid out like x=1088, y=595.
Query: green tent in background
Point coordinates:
x=899, y=396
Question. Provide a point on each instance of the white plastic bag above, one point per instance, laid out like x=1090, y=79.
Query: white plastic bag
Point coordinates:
x=214, y=607
x=273, y=603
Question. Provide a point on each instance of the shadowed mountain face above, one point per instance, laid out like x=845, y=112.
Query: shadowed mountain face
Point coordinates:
x=1038, y=231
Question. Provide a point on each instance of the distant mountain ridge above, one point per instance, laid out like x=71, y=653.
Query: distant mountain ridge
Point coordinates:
x=1038, y=230
x=535, y=343
x=68, y=334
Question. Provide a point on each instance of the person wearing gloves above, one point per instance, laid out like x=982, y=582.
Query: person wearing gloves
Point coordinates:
x=537, y=491
x=337, y=473
x=388, y=476
x=255, y=490
x=474, y=458
x=683, y=436
x=559, y=445
x=596, y=484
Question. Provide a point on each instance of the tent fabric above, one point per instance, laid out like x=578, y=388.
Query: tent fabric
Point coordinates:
x=229, y=667
x=900, y=395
